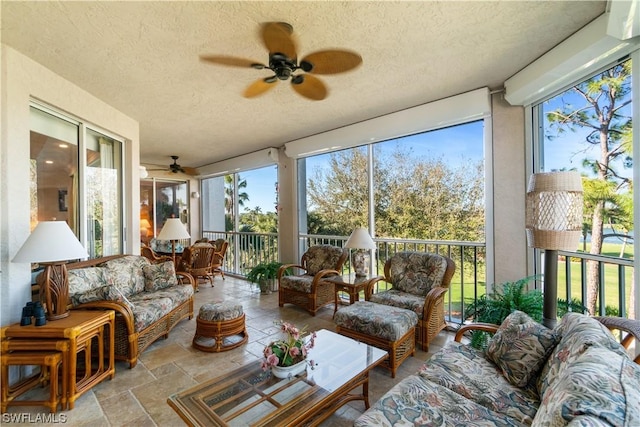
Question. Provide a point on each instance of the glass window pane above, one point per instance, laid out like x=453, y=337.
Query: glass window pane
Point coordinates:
x=103, y=195
x=53, y=169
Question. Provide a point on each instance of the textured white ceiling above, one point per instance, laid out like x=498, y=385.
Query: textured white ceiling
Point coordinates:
x=143, y=59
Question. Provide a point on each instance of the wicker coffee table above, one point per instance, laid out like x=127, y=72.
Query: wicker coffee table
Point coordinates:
x=250, y=396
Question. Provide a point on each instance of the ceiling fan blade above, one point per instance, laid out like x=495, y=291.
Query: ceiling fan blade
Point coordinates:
x=278, y=38
x=189, y=171
x=231, y=61
x=330, y=61
x=258, y=88
x=310, y=87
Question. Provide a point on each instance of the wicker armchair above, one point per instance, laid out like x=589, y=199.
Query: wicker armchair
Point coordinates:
x=308, y=290
x=148, y=253
x=419, y=282
x=198, y=262
x=221, y=246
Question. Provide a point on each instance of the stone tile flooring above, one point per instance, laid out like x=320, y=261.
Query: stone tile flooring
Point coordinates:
x=138, y=396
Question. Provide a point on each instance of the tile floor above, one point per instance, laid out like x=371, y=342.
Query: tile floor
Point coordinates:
x=138, y=396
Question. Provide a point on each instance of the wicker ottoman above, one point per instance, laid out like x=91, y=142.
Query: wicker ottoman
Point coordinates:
x=220, y=327
x=383, y=326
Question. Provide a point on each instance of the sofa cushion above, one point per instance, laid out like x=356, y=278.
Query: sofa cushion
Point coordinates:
x=599, y=384
x=148, y=311
x=578, y=332
x=414, y=401
x=85, y=279
x=159, y=276
x=126, y=273
x=322, y=257
x=467, y=372
x=520, y=347
x=177, y=294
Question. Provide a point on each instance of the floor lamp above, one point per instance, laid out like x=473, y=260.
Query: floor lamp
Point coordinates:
x=51, y=244
x=554, y=222
x=173, y=229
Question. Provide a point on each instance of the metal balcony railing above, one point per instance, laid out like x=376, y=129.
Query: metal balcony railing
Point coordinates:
x=469, y=282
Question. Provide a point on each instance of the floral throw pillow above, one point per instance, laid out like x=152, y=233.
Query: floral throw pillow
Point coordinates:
x=520, y=347
x=159, y=276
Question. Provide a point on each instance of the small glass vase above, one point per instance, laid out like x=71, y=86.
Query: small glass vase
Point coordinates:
x=289, y=371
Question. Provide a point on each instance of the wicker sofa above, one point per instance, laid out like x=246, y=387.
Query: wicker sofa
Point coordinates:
x=577, y=374
x=149, y=299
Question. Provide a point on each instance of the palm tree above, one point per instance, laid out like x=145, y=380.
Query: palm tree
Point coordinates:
x=230, y=195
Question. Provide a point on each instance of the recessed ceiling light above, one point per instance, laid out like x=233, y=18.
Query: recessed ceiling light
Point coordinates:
x=49, y=162
x=63, y=145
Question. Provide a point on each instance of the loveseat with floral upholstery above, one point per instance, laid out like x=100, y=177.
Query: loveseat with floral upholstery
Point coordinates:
x=577, y=374
x=149, y=299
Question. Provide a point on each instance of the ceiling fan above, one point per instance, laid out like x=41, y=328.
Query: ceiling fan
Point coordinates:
x=175, y=168
x=279, y=40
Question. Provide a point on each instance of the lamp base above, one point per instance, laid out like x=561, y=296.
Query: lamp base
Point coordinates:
x=360, y=260
x=55, y=291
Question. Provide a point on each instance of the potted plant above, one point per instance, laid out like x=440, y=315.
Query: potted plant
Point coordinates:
x=506, y=298
x=264, y=275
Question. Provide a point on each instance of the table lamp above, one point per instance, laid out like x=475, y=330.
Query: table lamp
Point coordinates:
x=554, y=222
x=52, y=243
x=360, y=258
x=173, y=229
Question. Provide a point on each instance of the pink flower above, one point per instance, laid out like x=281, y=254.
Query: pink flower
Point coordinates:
x=272, y=360
x=294, y=352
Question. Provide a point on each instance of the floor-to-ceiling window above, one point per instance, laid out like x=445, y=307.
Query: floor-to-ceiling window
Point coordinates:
x=161, y=199
x=85, y=191
x=588, y=128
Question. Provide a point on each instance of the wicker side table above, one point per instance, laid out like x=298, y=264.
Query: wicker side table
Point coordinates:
x=220, y=327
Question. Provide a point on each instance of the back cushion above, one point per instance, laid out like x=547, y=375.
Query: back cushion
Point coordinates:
x=416, y=272
x=127, y=273
x=86, y=279
x=578, y=332
x=322, y=257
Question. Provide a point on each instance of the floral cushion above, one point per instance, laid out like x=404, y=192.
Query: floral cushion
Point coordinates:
x=520, y=347
x=599, y=385
x=578, y=332
x=159, y=276
x=299, y=283
x=321, y=257
x=127, y=273
x=220, y=311
x=82, y=280
x=382, y=321
x=467, y=372
x=416, y=272
x=400, y=299
x=101, y=293
x=414, y=402
x=148, y=311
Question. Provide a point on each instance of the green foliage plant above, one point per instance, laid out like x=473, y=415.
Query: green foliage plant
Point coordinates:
x=506, y=298
x=262, y=274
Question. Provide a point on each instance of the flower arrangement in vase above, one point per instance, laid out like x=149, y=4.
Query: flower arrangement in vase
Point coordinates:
x=287, y=356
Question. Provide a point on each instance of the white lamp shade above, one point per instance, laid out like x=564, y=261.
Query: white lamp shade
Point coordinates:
x=360, y=239
x=51, y=241
x=173, y=229
x=554, y=210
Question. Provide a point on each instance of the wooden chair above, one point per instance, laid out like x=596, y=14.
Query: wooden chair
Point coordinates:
x=308, y=290
x=419, y=282
x=148, y=253
x=198, y=262
x=217, y=263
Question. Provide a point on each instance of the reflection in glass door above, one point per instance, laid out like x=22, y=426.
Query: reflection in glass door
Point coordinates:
x=159, y=201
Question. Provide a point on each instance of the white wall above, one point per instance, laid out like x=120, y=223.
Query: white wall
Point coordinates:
x=21, y=80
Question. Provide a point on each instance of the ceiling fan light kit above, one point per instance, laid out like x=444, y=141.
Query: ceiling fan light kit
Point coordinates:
x=283, y=61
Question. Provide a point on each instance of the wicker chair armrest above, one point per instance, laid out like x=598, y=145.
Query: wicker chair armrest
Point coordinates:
x=324, y=273
x=185, y=278
x=117, y=306
x=630, y=326
x=432, y=298
x=372, y=283
x=478, y=326
x=284, y=267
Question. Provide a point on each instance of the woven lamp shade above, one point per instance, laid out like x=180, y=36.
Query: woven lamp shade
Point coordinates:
x=554, y=210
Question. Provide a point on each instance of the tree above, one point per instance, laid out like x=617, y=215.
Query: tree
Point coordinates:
x=230, y=198
x=603, y=112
